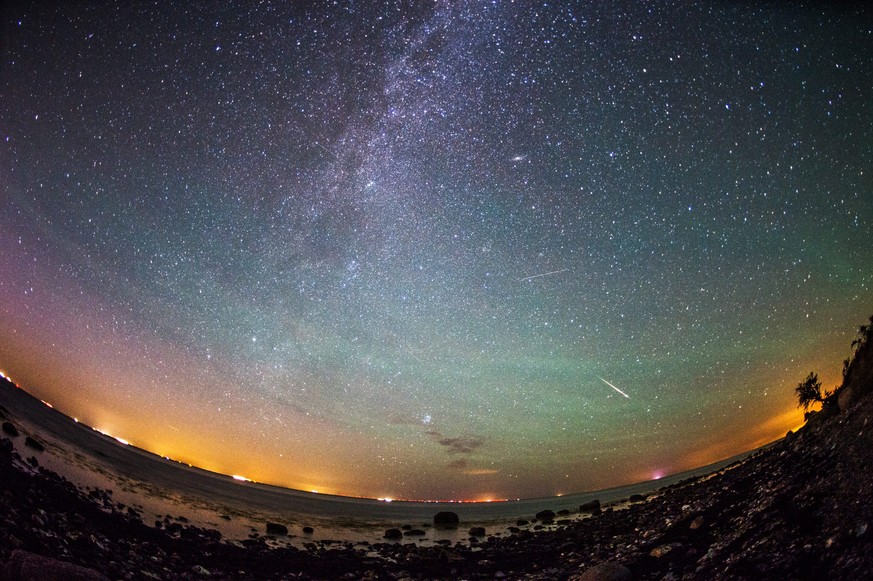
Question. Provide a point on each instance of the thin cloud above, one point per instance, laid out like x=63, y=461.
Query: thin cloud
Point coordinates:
x=462, y=465
x=459, y=445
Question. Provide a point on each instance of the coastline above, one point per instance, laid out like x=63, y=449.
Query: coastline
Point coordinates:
x=797, y=509
x=161, y=487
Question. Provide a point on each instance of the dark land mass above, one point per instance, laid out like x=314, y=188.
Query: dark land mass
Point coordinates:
x=799, y=509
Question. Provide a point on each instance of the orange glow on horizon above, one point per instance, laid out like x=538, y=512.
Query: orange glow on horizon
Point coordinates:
x=764, y=433
x=178, y=446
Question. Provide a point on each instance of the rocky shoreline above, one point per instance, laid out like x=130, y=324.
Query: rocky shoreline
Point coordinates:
x=799, y=509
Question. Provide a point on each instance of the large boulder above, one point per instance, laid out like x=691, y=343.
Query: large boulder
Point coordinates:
x=546, y=515
x=846, y=398
x=10, y=429
x=590, y=506
x=393, y=534
x=276, y=529
x=446, y=519
x=33, y=443
x=25, y=566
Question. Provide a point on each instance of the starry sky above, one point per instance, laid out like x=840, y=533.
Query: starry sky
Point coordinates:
x=434, y=250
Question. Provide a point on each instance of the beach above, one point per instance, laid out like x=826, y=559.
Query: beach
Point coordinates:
x=160, y=486
x=797, y=509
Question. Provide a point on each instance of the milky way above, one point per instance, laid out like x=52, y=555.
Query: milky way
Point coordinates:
x=459, y=250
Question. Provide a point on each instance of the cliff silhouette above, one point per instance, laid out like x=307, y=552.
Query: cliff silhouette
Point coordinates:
x=858, y=370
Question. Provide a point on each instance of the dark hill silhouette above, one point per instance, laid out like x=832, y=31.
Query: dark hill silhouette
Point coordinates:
x=858, y=371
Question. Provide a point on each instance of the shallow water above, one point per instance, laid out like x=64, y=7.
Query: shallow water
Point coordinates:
x=160, y=487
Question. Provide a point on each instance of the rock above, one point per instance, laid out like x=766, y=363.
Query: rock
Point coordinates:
x=477, y=532
x=637, y=497
x=393, y=534
x=605, y=572
x=546, y=515
x=10, y=429
x=308, y=530
x=446, y=519
x=200, y=570
x=563, y=512
x=521, y=522
x=846, y=398
x=662, y=550
x=23, y=565
x=32, y=443
x=35, y=444
x=415, y=533
x=276, y=529
x=590, y=506
x=696, y=523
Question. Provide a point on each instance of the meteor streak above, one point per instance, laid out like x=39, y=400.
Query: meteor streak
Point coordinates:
x=612, y=386
x=544, y=274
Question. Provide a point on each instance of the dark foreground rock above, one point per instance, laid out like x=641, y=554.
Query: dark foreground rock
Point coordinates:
x=276, y=529
x=393, y=534
x=24, y=566
x=446, y=519
x=33, y=443
x=606, y=572
x=590, y=506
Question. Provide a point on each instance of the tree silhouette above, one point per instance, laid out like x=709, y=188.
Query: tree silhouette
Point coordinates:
x=809, y=392
x=865, y=334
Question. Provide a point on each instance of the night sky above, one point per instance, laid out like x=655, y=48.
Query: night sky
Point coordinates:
x=459, y=250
